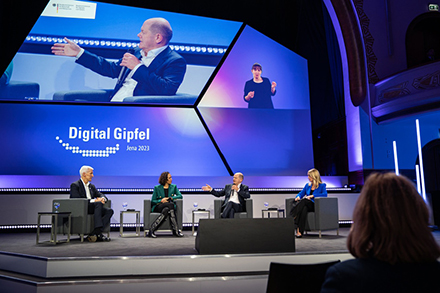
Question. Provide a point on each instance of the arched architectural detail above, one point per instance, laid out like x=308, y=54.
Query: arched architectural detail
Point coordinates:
x=350, y=28
x=422, y=35
x=371, y=58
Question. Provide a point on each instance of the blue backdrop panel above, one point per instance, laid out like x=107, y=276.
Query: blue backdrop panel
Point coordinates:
x=57, y=140
x=124, y=22
x=263, y=141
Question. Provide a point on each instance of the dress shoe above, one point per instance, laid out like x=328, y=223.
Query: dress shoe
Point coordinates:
x=92, y=238
x=298, y=236
x=102, y=238
x=151, y=234
x=178, y=233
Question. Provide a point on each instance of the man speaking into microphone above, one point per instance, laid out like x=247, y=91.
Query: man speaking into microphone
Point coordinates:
x=234, y=194
x=150, y=69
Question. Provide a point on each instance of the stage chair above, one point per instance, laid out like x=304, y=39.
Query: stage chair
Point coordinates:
x=178, y=98
x=104, y=96
x=19, y=90
x=248, y=214
x=150, y=217
x=325, y=216
x=82, y=221
x=311, y=277
x=89, y=95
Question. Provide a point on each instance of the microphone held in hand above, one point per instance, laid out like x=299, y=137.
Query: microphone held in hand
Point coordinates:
x=124, y=69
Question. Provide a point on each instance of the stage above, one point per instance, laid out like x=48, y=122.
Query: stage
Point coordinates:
x=138, y=263
x=134, y=263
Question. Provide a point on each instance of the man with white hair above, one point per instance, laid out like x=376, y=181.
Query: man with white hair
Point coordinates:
x=102, y=215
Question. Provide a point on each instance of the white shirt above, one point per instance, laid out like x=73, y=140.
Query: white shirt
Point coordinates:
x=234, y=195
x=129, y=84
x=86, y=187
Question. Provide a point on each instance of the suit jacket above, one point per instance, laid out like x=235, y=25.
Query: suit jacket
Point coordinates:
x=227, y=191
x=162, y=77
x=371, y=275
x=159, y=194
x=77, y=190
x=321, y=191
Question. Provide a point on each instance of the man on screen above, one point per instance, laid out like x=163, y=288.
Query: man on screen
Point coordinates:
x=102, y=215
x=150, y=69
x=234, y=194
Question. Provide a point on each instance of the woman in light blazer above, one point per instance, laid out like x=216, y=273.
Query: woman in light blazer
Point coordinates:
x=305, y=200
x=162, y=202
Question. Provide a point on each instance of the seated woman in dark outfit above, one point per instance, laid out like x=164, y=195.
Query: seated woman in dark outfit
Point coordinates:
x=162, y=202
x=315, y=188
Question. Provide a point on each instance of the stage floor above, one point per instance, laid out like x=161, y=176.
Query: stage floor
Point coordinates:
x=164, y=245
x=136, y=263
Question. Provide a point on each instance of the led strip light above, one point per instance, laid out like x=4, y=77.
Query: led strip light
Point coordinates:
x=149, y=190
x=124, y=44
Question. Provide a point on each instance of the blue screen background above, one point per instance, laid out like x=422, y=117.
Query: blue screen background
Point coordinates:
x=124, y=22
x=270, y=146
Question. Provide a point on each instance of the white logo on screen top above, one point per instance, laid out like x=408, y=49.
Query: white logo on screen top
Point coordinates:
x=104, y=153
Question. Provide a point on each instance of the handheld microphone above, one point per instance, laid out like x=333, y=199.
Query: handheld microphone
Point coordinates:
x=124, y=69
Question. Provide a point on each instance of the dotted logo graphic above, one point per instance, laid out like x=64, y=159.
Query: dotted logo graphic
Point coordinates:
x=89, y=153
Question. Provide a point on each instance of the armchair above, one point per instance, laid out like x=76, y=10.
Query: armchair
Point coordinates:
x=19, y=90
x=82, y=221
x=150, y=217
x=178, y=98
x=104, y=96
x=247, y=214
x=312, y=277
x=90, y=95
x=325, y=216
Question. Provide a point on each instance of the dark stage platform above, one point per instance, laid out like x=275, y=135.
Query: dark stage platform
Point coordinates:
x=164, y=245
x=135, y=263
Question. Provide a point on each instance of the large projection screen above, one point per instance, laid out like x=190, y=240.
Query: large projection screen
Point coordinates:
x=45, y=142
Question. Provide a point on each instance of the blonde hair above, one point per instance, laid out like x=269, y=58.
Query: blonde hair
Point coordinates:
x=316, y=177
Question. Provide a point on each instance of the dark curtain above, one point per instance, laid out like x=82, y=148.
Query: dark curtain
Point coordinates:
x=316, y=41
x=334, y=57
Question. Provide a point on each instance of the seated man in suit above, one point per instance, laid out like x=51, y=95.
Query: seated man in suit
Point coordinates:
x=153, y=68
x=234, y=194
x=102, y=215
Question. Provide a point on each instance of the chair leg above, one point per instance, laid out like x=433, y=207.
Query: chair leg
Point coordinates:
x=320, y=236
x=337, y=231
x=82, y=237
